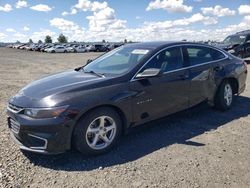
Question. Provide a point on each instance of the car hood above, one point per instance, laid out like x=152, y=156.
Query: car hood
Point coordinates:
x=52, y=85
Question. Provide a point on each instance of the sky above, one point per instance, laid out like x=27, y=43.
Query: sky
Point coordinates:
x=116, y=20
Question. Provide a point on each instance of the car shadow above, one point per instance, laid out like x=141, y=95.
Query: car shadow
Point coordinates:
x=143, y=140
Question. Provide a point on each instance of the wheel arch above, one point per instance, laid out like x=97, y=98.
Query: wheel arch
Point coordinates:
x=234, y=83
x=122, y=115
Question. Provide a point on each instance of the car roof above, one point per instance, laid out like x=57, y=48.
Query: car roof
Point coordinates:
x=245, y=33
x=160, y=44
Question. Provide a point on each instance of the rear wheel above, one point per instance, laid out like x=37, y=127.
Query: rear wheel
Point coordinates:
x=224, y=97
x=98, y=131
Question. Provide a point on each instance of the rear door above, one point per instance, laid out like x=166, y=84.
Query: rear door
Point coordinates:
x=204, y=62
x=163, y=94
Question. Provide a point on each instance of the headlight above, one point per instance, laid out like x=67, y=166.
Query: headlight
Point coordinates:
x=40, y=113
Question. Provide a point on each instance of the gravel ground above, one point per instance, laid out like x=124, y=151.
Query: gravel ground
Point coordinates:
x=199, y=147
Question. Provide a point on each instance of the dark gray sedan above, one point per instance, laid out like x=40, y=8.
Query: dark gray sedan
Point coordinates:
x=91, y=106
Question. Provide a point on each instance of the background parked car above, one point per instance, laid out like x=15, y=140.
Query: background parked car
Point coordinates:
x=72, y=48
x=56, y=49
x=237, y=44
x=46, y=46
x=80, y=49
x=100, y=48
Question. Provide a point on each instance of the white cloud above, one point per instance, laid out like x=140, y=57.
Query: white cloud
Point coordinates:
x=64, y=25
x=73, y=12
x=103, y=17
x=41, y=8
x=87, y=5
x=73, y=31
x=6, y=8
x=65, y=13
x=218, y=11
x=21, y=4
x=40, y=35
x=10, y=30
x=244, y=9
x=196, y=18
x=20, y=36
x=2, y=36
x=25, y=28
x=170, y=6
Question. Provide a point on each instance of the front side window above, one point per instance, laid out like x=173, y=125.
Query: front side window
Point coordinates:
x=167, y=60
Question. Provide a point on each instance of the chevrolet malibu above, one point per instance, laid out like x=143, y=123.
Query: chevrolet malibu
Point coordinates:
x=89, y=108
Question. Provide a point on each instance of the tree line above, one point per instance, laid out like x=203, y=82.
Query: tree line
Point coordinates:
x=48, y=39
x=62, y=39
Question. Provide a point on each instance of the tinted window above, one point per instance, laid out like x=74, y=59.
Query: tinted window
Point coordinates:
x=198, y=55
x=167, y=60
x=216, y=55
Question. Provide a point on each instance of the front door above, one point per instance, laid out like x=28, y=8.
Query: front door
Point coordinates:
x=164, y=94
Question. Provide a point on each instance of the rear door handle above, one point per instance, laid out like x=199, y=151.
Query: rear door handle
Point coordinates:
x=218, y=68
x=184, y=76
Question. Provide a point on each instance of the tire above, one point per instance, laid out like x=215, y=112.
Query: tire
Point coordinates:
x=224, y=97
x=65, y=51
x=53, y=51
x=89, y=131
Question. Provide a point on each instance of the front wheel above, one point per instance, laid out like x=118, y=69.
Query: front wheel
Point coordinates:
x=224, y=97
x=98, y=131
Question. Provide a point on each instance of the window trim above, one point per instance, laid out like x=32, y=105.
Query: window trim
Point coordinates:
x=197, y=47
x=184, y=68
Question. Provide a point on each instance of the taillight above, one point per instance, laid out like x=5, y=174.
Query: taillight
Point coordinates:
x=245, y=64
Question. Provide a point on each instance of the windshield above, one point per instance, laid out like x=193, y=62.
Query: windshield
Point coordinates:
x=117, y=61
x=235, y=39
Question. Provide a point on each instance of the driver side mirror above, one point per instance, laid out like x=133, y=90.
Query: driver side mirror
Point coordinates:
x=151, y=72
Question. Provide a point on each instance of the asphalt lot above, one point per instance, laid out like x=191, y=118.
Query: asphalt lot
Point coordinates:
x=199, y=147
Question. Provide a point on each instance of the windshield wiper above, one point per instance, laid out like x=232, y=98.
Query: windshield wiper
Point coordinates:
x=95, y=73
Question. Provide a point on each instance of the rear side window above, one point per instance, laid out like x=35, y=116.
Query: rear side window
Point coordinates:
x=199, y=54
x=216, y=55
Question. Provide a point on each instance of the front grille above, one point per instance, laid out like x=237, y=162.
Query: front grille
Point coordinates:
x=14, y=108
x=13, y=125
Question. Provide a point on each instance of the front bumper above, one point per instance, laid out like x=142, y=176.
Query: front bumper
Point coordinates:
x=47, y=136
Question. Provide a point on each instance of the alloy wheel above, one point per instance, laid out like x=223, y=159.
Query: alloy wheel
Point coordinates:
x=101, y=132
x=228, y=94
